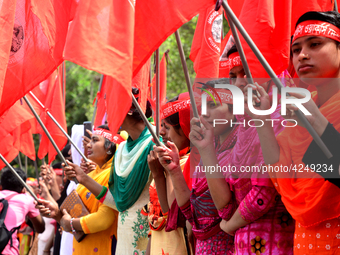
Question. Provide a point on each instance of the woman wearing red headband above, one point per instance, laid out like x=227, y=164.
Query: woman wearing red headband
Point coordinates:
x=197, y=205
x=312, y=201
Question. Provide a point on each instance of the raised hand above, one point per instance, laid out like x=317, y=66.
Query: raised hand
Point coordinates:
x=168, y=157
x=47, y=208
x=87, y=167
x=154, y=165
x=316, y=119
x=201, y=136
x=74, y=171
x=261, y=98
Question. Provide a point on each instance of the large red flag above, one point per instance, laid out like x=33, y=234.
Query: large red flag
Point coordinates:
x=15, y=133
x=155, y=20
x=268, y=24
x=7, y=13
x=39, y=34
x=118, y=99
x=206, y=45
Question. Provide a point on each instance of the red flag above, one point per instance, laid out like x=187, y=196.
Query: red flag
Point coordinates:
x=7, y=13
x=118, y=99
x=39, y=34
x=116, y=38
x=206, y=45
x=223, y=61
x=300, y=7
x=155, y=20
x=162, y=85
x=55, y=104
x=15, y=133
x=268, y=24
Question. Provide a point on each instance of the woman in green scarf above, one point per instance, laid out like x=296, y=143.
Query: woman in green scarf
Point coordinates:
x=129, y=183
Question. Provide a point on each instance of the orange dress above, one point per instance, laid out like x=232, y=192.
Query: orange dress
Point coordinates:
x=313, y=202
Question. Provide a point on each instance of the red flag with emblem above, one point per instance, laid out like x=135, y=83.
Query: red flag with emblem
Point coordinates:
x=206, y=45
x=36, y=48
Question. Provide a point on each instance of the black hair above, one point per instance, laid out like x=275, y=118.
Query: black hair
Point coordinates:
x=331, y=17
x=10, y=182
x=57, y=165
x=65, y=150
x=108, y=144
x=232, y=50
x=173, y=120
x=135, y=114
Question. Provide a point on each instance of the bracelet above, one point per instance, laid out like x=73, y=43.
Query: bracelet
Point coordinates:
x=102, y=193
x=71, y=223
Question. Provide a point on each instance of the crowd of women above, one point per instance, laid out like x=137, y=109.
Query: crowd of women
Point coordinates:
x=148, y=199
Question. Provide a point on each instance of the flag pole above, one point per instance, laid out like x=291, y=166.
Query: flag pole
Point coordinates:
x=95, y=104
x=336, y=6
x=25, y=164
x=273, y=76
x=240, y=51
x=186, y=74
x=48, y=134
x=19, y=160
x=36, y=170
x=147, y=123
x=60, y=127
x=157, y=94
x=18, y=177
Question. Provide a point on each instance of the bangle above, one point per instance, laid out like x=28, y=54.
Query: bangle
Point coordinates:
x=71, y=223
x=102, y=193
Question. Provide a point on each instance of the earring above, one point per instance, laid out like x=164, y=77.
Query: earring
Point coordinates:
x=109, y=152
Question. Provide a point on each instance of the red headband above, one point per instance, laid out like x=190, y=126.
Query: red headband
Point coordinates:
x=317, y=28
x=173, y=107
x=225, y=95
x=58, y=171
x=108, y=135
x=234, y=60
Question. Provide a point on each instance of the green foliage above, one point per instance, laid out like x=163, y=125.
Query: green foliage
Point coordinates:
x=81, y=88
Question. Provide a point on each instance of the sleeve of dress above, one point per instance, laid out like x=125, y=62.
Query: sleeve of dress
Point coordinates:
x=98, y=221
x=314, y=155
x=175, y=217
x=257, y=202
x=187, y=212
x=106, y=198
x=227, y=211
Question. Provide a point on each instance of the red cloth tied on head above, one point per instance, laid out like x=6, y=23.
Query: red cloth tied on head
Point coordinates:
x=184, y=115
x=220, y=95
x=117, y=139
x=58, y=171
x=317, y=28
x=234, y=60
x=182, y=106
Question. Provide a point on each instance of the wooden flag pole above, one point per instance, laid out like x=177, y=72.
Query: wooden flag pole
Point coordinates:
x=157, y=120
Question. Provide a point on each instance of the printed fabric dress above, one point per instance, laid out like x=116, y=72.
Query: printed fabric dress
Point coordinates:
x=202, y=214
x=271, y=228
x=128, y=192
x=312, y=201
